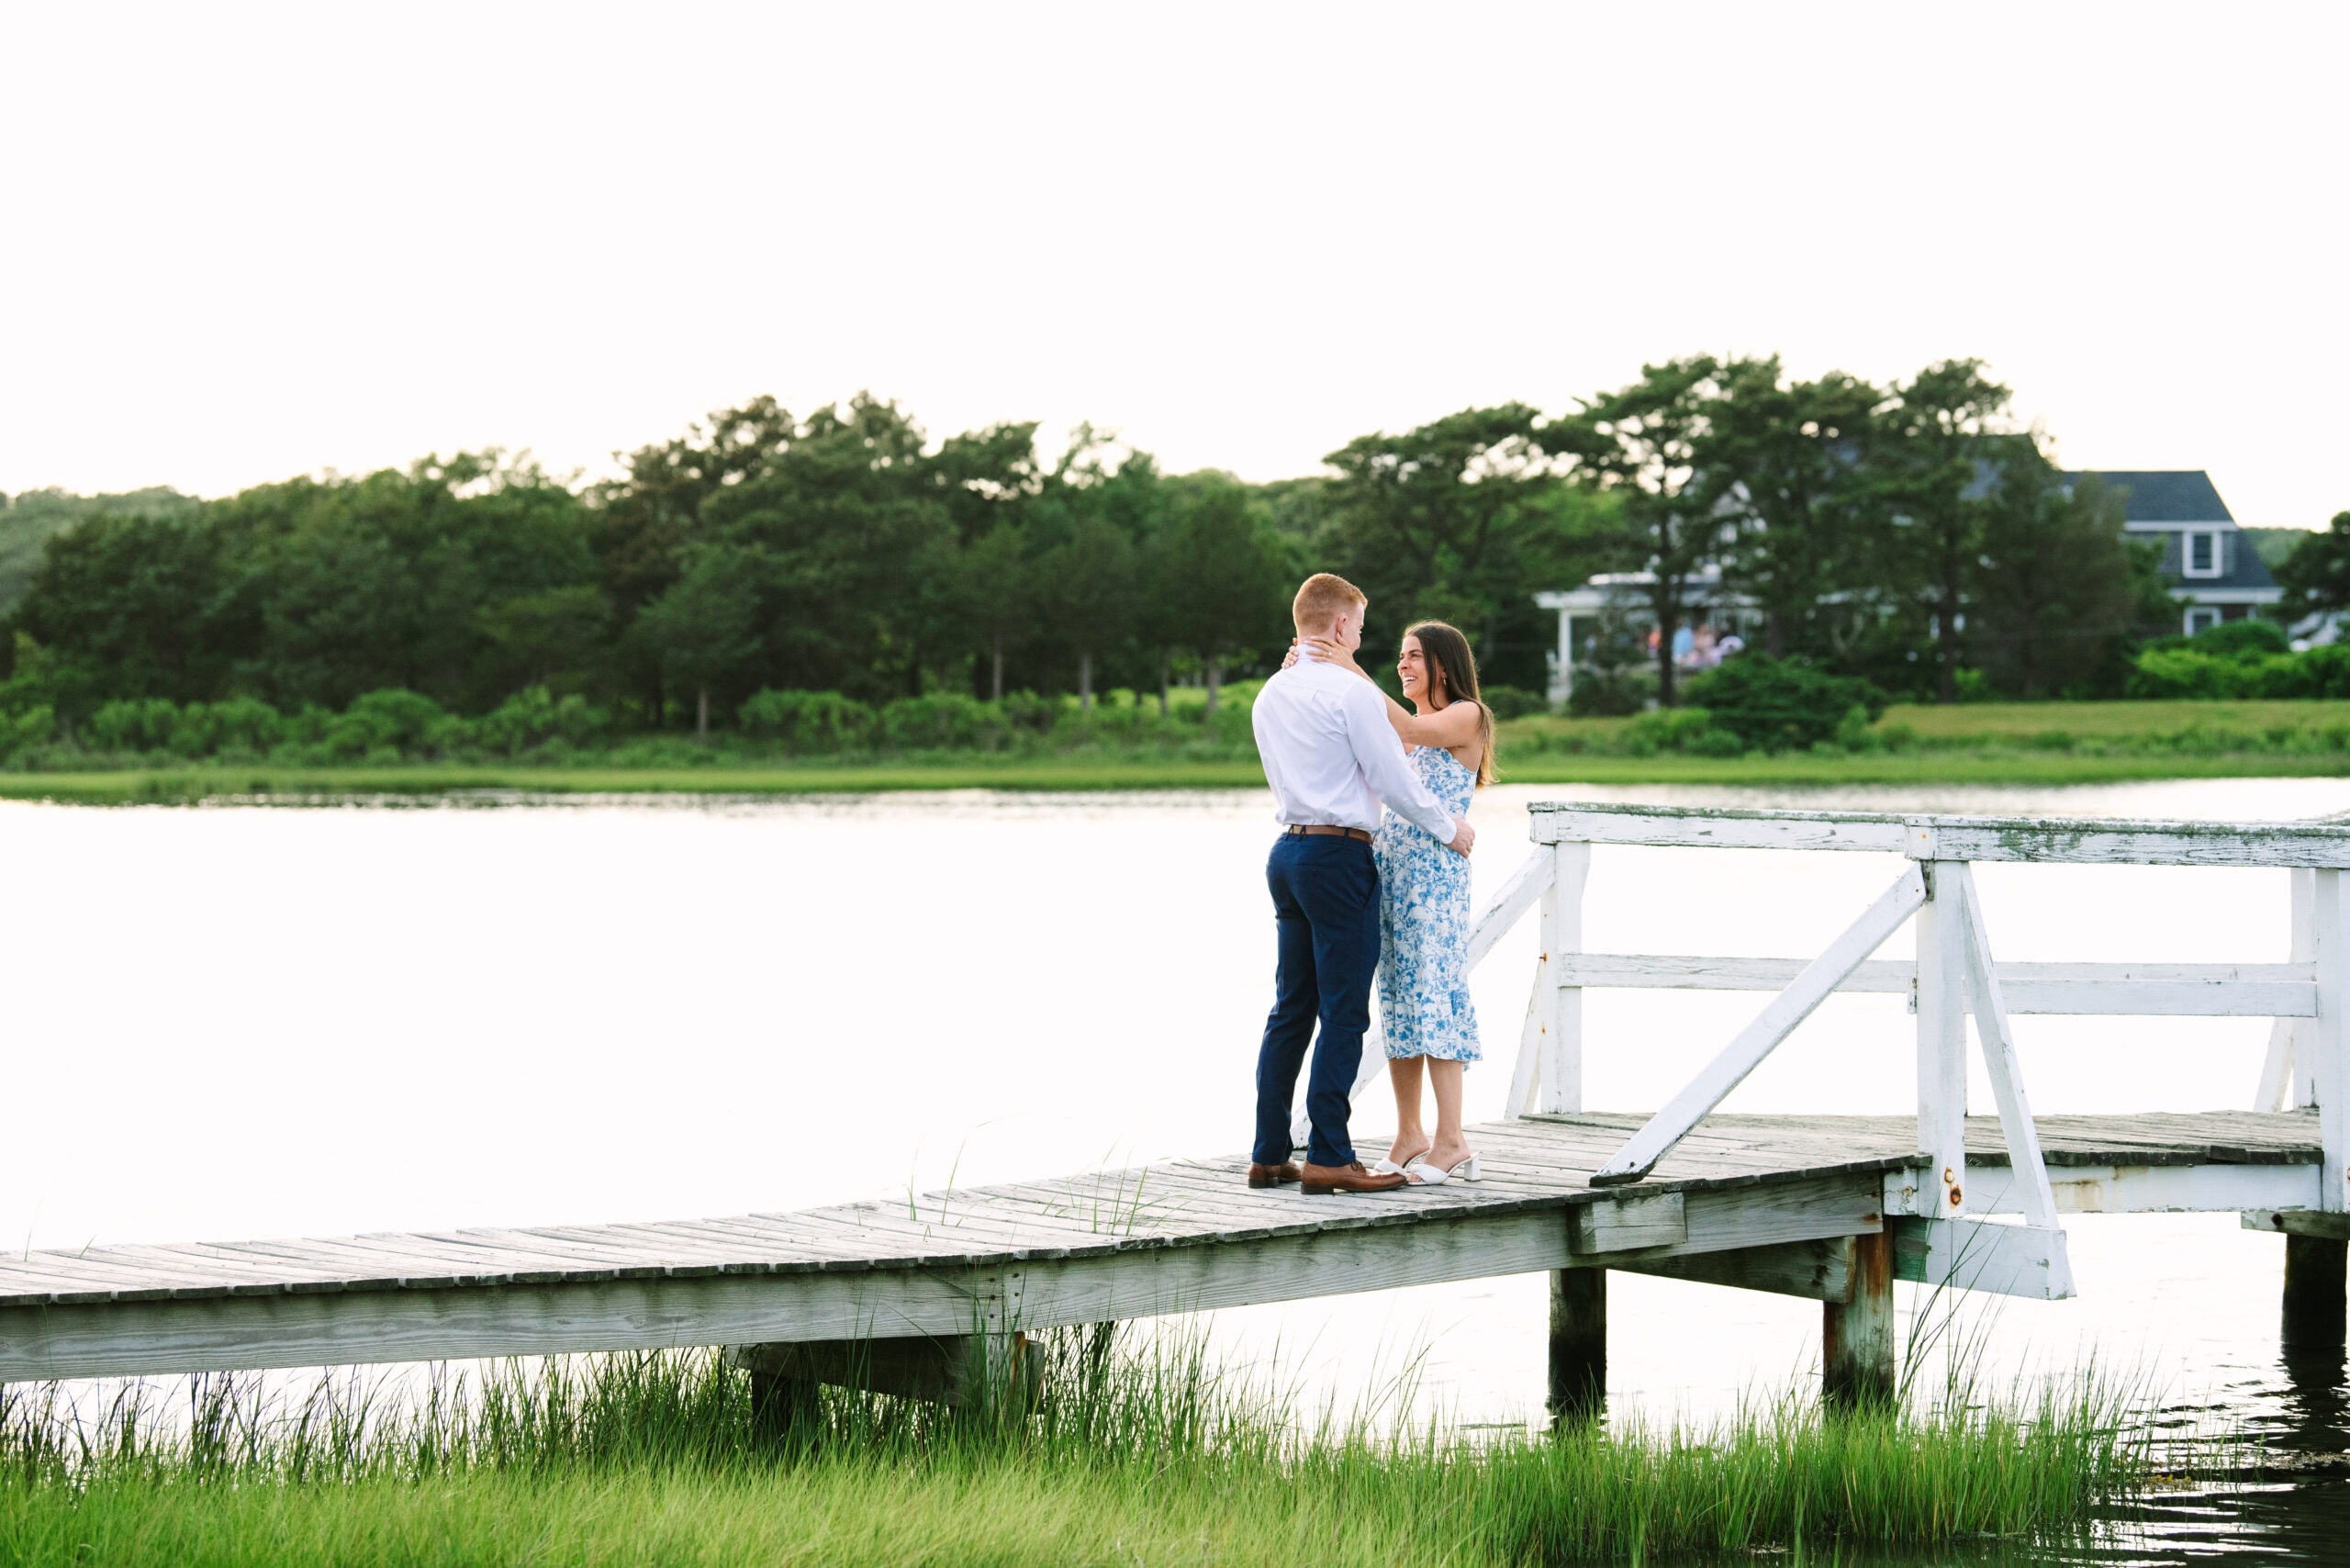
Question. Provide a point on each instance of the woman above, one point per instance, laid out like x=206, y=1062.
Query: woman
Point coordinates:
x=1423, y=1003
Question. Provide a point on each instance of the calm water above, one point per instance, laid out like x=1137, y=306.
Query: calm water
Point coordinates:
x=230, y=1022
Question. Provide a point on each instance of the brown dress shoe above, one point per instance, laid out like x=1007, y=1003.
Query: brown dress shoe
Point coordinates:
x=1348, y=1178
x=1273, y=1175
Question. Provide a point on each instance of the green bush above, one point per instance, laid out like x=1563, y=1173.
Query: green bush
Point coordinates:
x=1026, y=711
x=26, y=730
x=942, y=721
x=1780, y=704
x=534, y=717
x=383, y=726
x=2184, y=669
x=241, y=724
x=2237, y=659
x=140, y=723
x=1512, y=702
x=2235, y=639
x=807, y=723
x=2327, y=670
x=1670, y=729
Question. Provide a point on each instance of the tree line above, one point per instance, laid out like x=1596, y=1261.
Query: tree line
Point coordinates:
x=1900, y=533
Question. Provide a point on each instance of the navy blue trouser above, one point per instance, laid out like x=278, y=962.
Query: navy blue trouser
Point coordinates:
x=1325, y=906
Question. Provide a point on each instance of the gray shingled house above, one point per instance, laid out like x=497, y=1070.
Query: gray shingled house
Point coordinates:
x=2210, y=566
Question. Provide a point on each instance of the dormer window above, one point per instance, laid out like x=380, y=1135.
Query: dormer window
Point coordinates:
x=2200, y=554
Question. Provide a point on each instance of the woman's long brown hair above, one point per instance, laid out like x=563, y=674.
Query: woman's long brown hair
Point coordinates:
x=1443, y=647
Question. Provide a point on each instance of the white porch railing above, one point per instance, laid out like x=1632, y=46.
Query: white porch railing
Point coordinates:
x=1953, y=974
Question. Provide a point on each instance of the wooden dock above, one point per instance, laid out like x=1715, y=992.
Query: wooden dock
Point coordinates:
x=1830, y=1208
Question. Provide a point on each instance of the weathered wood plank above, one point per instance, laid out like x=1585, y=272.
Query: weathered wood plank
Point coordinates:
x=2147, y=1189
x=1557, y=822
x=1743, y=1182
x=1816, y=1271
x=1927, y=836
x=1654, y=1219
x=525, y=1319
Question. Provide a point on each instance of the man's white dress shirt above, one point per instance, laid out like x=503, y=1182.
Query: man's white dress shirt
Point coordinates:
x=1331, y=756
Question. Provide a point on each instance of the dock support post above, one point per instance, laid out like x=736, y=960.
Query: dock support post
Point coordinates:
x=2317, y=1269
x=785, y=1408
x=1578, y=1344
x=1856, y=1337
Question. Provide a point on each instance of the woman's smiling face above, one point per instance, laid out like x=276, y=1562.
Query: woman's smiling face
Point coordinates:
x=1412, y=669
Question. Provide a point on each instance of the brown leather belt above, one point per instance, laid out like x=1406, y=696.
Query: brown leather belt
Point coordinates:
x=1317, y=829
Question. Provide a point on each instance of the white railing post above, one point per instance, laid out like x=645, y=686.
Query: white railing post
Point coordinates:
x=1941, y=1042
x=1558, y=1077
x=2325, y=1065
x=2276, y=1070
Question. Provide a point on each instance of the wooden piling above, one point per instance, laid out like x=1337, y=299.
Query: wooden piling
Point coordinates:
x=1856, y=1337
x=2315, y=1269
x=1578, y=1344
x=785, y=1408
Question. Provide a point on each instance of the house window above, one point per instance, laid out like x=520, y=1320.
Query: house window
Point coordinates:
x=2201, y=618
x=2200, y=554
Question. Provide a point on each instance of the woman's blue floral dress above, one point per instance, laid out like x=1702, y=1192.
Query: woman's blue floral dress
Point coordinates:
x=1424, y=1006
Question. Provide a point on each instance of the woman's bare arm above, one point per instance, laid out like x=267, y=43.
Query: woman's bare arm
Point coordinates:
x=1454, y=724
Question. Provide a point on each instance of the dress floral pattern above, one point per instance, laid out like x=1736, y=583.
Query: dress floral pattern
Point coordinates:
x=1424, y=1005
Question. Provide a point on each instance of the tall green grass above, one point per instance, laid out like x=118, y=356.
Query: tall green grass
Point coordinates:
x=1146, y=1454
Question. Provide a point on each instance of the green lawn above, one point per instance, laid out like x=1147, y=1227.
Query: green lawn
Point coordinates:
x=2028, y=744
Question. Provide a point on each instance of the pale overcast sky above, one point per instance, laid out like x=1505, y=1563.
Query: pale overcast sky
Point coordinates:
x=243, y=244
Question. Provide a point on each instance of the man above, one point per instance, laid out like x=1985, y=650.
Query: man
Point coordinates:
x=1331, y=757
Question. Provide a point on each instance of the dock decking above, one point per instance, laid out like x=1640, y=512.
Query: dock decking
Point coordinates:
x=1769, y=1202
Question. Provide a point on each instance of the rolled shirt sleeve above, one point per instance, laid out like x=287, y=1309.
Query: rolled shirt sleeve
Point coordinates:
x=1390, y=773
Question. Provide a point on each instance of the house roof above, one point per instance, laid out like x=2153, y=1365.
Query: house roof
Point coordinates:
x=2167, y=494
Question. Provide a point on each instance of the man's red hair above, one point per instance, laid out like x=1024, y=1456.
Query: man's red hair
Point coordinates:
x=1322, y=599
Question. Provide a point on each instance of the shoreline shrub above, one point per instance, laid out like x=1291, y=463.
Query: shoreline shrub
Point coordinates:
x=1773, y=705
x=383, y=726
x=810, y=724
x=531, y=719
x=944, y=721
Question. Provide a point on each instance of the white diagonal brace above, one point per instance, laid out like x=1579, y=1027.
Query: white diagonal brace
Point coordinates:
x=1759, y=1039
x=1517, y=895
x=1999, y=1060
x=1526, y=1074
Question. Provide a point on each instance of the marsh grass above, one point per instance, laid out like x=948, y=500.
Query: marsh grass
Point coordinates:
x=1145, y=1454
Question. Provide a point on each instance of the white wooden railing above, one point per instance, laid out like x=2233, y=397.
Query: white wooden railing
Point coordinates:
x=1953, y=974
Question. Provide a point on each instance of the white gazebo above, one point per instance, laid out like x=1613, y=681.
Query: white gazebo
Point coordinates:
x=1627, y=594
